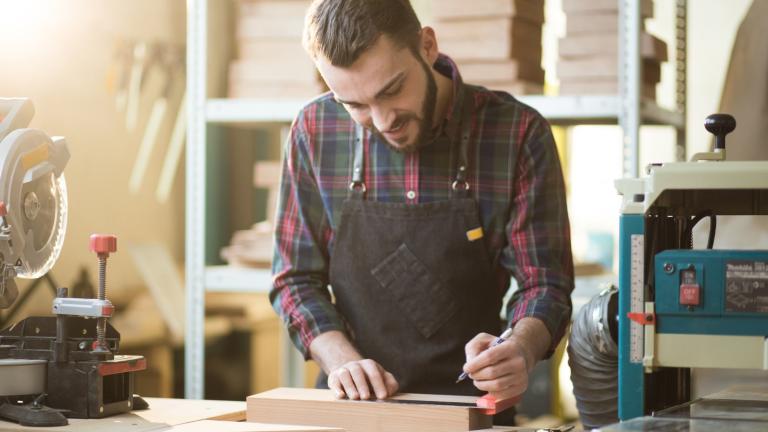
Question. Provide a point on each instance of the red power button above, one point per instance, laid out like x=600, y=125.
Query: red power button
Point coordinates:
x=690, y=295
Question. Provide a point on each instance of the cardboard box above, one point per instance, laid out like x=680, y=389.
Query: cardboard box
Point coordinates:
x=529, y=10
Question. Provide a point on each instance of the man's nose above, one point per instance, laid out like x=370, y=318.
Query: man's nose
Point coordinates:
x=382, y=118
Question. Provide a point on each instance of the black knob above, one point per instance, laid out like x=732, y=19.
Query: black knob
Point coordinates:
x=720, y=125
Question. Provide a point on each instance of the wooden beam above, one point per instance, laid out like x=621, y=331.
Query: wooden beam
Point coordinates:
x=229, y=426
x=320, y=408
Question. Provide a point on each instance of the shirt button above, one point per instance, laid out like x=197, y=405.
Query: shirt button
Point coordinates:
x=410, y=194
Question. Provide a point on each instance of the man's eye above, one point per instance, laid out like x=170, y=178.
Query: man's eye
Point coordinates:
x=393, y=92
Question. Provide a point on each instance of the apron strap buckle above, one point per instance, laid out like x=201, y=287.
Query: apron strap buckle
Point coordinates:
x=357, y=186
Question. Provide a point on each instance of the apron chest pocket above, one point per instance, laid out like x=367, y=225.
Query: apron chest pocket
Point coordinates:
x=427, y=302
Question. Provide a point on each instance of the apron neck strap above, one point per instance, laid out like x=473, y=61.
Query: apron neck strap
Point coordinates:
x=357, y=187
x=459, y=186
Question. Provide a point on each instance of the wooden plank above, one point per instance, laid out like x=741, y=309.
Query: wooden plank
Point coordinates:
x=592, y=6
x=529, y=10
x=603, y=67
x=490, y=39
x=297, y=70
x=495, y=71
x=607, y=44
x=273, y=90
x=601, y=87
x=577, y=24
x=228, y=426
x=288, y=27
x=514, y=88
x=273, y=8
x=273, y=51
x=320, y=407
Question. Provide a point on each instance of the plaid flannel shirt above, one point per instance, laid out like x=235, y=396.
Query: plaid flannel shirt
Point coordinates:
x=515, y=177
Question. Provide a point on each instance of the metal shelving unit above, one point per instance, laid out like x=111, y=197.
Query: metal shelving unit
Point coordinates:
x=627, y=109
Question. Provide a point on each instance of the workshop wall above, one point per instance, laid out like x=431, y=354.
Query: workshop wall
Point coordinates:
x=60, y=54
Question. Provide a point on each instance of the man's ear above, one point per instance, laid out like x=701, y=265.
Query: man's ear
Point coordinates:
x=428, y=46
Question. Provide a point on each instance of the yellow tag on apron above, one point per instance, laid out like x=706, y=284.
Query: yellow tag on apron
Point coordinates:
x=475, y=234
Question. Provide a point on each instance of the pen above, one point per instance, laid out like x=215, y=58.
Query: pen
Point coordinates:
x=504, y=336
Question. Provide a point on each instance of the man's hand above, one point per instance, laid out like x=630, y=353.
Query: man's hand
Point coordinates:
x=362, y=379
x=503, y=370
x=349, y=375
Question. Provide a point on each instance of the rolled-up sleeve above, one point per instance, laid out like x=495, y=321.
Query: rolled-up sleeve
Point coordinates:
x=300, y=292
x=538, y=250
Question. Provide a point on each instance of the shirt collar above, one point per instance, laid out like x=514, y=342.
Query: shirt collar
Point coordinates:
x=447, y=67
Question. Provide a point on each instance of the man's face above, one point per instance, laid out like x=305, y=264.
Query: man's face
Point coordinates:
x=389, y=90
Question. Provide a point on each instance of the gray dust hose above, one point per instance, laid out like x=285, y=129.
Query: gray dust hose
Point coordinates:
x=593, y=358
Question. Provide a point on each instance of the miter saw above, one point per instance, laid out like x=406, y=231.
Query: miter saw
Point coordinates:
x=63, y=365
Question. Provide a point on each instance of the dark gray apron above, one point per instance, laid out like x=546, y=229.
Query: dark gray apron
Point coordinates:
x=411, y=285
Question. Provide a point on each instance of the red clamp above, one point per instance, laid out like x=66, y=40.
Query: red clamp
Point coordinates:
x=642, y=318
x=489, y=405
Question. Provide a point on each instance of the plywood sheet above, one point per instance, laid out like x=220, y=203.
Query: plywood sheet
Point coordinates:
x=320, y=407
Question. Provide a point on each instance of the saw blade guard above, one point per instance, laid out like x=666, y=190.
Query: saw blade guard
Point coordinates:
x=33, y=188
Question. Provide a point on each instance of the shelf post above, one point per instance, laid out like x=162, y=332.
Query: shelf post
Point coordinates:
x=197, y=50
x=630, y=80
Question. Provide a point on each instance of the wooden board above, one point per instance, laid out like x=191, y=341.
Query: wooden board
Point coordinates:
x=578, y=24
x=592, y=6
x=603, y=68
x=272, y=51
x=514, y=88
x=320, y=407
x=500, y=71
x=601, y=87
x=607, y=44
x=273, y=8
x=282, y=70
x=490, y=39
x=288, y=27
x=228, y=426
x=529, y=10
x=273, y=90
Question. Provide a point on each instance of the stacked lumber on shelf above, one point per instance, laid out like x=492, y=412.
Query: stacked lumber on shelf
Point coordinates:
x=589, y=53
x=496, y=43
x=253, y=247
x=271, y=62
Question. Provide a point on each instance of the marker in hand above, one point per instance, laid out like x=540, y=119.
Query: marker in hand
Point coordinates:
x=504, y=336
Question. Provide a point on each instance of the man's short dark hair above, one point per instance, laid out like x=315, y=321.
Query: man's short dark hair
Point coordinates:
x=341, y=30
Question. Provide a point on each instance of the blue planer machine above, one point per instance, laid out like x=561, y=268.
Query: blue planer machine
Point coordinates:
x=679, y=307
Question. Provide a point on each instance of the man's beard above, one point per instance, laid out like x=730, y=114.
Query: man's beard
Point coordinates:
x=425, y=134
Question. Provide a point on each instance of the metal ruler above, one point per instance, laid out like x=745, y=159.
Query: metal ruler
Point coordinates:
x=636, y=332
